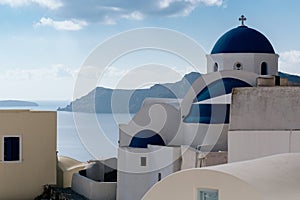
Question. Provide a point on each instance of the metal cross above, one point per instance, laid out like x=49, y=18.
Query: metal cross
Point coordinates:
x=243, y=19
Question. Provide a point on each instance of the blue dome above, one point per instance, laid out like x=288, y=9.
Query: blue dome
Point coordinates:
x=243, y=40
x=145, y=137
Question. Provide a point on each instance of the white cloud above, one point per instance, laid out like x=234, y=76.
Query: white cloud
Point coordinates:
x=55, y=82
x=164, y=3
x=109, y=12
x=212, y=2
x=62, y=71
x=135, y=15
x=110, y=8
x=112, y=11
x=167, y=3
x=289, y=62
x=108, y=21
x=184, y=7
x=14, y=3
x=113, y=72
x=58, y=71
x=50, y=4
x=67, y=25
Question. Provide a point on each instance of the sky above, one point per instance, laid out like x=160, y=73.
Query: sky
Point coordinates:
x=43, y=43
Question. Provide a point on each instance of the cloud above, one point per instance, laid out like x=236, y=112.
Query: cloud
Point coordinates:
x=289, y=61
x=50, y=4
x=67, y=25
x=212, y=2
x=168, y=3
x=114, y=11
x=55, y=82
x=76, y=14
x=136, y=15
x=108, y=21
x=58, y=71
x=183, y=7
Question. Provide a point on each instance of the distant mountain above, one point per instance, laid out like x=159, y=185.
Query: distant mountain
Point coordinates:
x=293, y=79
x=16, y=103
x=101, y=100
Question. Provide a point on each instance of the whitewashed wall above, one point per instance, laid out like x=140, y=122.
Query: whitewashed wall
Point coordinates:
x=264, y=121
x=135, y=180
x=251, y=62
x=246, y=145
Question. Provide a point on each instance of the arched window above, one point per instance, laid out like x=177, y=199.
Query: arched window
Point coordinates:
x=264, y=68
x=216, y=67
x=238, y=66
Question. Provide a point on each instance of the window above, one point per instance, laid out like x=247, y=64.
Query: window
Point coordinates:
x=143, y=161
x=277, y=80
x=11, y=150
x=159, y=177
x=216, y=67
x=238, y=66
x=208, y=194
x=264, y=68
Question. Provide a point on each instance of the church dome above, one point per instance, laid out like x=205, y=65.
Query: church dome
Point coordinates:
x=243, y=40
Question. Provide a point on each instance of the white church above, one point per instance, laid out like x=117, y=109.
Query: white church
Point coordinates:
x=240, y=110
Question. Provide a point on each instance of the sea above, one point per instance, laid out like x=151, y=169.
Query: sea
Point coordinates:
x=84, y=136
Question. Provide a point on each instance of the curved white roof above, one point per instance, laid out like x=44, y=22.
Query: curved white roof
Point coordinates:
x=67, y=164
x=275, y=177
x=270, y=178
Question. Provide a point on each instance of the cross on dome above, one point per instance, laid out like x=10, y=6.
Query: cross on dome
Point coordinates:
x=243, y=19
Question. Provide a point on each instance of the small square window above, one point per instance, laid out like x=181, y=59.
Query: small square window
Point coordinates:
x=11, y=149
x=208, y=194
x=143, y=161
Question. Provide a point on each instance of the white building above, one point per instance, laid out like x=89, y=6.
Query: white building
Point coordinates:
x=154, y=143
x=264, y=121
x=270, y=178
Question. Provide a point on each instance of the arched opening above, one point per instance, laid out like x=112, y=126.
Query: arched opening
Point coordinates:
x=264, y=68
x=238, y=66
x=145, y=137
x=216, y=67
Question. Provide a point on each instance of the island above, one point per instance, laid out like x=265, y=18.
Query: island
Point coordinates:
x=16, y=103
x=103, y=96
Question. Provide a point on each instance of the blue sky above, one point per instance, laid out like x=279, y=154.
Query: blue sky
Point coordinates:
x=43, y=43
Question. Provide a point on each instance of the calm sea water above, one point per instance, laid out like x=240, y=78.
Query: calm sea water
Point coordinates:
x=84, y=136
